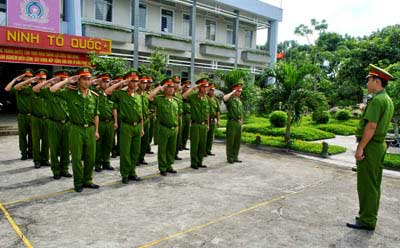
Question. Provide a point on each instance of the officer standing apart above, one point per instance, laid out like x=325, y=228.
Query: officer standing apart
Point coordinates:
x=167, y=117
x=152, y=118
x=185, y=117
x=84, y=125
x=214, y=117
x=24, y=105
x=200, y=122
x=57, y=125
x=131, y=128
x=235, y=121
x=371, y=148
x=179, y=99
x=146, y=117
x=108, y=122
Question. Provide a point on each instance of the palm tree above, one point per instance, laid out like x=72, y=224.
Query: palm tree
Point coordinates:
x=291, y=92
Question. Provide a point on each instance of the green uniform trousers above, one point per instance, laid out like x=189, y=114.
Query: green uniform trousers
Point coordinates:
x=166, y=142
x=185, y=130
x=198, y=138
x=58, y=142
x=210, y=136
x=155, y=131
x=178, y=136
x=25, y=134
x=151, y=133
x=129, y=149
x=233, y=139
x=82, y=140
x=104, y=144
x=369, y=178
x=40, y=140
x=145, y=140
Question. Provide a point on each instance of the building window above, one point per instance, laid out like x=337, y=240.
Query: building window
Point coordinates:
x=187, y=26
x=142, y=15
x=3, y=15
x=184, y=76
x=230, y=35
x=168, y=73
x=103, y=10
x=211, y=30
x=248, y=39
x=167, y=17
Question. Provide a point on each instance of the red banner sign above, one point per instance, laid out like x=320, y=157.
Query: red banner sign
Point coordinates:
x=29, y=56
x=33, y=39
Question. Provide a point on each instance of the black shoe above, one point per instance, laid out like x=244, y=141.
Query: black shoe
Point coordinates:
x=177, y=158
x=150, y=152
x=91, y=186
x=163, y=173
x=238, y=161
x=67, y=174
x=57, y=177
x=230, y=161
x=125, y=180
x=135, y=178
x=108, y=168
x=360, y=226
x=78, y=189
x=185, y=148
x=46, y=163
x=97, y=169
x=37, y=165
x=354, y=169
x=30, y=156
x=202, y=166
x=113, y=155
x=210, y=154
x=172, y=171
x=194, y=167
x=143, y=162
x=206, y=155
x=24, y=157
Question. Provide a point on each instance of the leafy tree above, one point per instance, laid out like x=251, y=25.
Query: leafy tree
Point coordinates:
x=114, y=65
x=157, y=67
x=393, y=90
x=290, y=93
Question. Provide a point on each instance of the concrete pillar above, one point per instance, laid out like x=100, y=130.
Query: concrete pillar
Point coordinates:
x=136, y=35
x=273, y=40
x=193, y=57
x=237, y=23
x=73, y=15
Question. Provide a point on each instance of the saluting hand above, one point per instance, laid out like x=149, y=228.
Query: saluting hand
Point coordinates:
x=20, y=77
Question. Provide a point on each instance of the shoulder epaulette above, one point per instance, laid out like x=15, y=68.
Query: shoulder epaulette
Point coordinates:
x=94, y=93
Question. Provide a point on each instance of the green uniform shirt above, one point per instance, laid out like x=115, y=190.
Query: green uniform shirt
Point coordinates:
x=106, y=106
x=167, y=111
x=199, y=107
x=57, y=106
x=379, y=110
x=186, y=107
x=179, y=99
x=39, y=105
x=129, y=106
x=235, y=108
x=214, y=106
x=82, y=110
x=145, y=104
x=24, y=99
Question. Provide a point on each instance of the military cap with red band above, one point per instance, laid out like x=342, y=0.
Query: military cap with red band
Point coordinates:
x=211, y=86
x=41, y=73
x=84, y=72
x=28, y=72
x=379, y=72
x=62, y=74
x=186, y=83
x=132, y=74
x=149, y=80
x=167, y=82
x=104, y=75
x=237, y=86
x=176, y=78
x=118, y=77
x=202, y=82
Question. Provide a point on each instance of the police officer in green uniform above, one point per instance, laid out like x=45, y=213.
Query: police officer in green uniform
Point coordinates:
x=83, y=108
x=131, y=128
x=115, y=149
x=214, y=117
x=185, y=117
x=108, y=122
x=167, y=116
x=235, y=121
x=200, y=122
x=179, y=99
x=57, y=125
x=146, y=117
x=24, y=105
x=371, y=148
x=152, y=116
x=40, y=141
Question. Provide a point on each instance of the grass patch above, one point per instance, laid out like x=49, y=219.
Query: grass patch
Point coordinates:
x=338, y=129
x=297, y=132
x=273, y=141
x=392, y=161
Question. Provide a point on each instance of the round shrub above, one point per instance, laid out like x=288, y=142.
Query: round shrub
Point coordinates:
x=278, y=118
x=343, y=115
x=321, y=117
x=356, y=113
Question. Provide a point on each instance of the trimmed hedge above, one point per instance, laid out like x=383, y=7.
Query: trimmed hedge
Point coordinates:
x=278, y=118
x=343, y=115
x=321, y=117
x=301, y=133
x=297, y=145
x=338, y=129
x=392, y=161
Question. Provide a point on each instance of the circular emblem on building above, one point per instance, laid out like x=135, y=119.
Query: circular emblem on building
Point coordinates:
x=34, y=10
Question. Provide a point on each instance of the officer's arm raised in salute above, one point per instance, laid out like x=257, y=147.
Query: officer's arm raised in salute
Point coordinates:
x=187, y=93
x=155, y=92
x=37, y=87
x=228, y=96
x=113, y=87
x=10, y=84
x=20, y=85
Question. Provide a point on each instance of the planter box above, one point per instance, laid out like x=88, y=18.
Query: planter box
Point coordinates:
x=107, y=32
x=168, y=43
x=256, y=57
x=218, y=51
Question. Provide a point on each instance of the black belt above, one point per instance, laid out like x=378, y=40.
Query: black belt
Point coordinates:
x=133, y=123
x=85, y=125
x=60, y=121
x=170, y=127
x=41, y=117
x=106, y=120
x=199, y=122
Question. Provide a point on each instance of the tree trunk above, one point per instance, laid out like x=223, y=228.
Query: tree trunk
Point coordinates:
x=396, y=127
x=288, y=123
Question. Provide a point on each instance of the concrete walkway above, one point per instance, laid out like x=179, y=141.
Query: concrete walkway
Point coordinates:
x=272, y=199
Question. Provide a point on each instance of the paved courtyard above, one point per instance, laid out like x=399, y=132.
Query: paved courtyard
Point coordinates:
x=272, y=199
